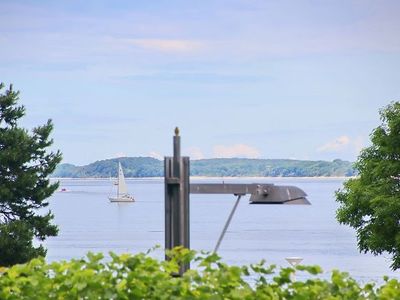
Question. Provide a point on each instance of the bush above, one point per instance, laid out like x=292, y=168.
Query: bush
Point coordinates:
x=143, y=277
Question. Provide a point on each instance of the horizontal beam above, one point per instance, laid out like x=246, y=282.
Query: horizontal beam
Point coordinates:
x=227, y=188
x=261, y=193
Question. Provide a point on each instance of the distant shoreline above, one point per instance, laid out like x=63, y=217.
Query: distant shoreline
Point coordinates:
x=208, y=177
x=147, y=167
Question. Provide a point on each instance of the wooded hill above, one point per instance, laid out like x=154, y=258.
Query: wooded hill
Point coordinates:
x=218, y=167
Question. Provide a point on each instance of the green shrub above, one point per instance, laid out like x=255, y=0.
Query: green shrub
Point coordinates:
x=140, y=276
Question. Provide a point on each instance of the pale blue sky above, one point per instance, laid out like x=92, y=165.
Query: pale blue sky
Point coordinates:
x=268, y=79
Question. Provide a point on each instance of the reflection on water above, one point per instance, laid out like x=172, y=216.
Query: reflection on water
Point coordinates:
x=89, y=222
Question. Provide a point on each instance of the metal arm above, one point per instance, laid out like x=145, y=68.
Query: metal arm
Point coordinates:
x=227, y=222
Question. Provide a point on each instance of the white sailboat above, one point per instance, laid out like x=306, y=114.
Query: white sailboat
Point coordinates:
x=122, y=191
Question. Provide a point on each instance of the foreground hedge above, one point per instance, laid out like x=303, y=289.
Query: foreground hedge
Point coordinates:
x=143, y=277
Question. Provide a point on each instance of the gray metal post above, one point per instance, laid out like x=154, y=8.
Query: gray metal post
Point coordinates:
x=176, y=176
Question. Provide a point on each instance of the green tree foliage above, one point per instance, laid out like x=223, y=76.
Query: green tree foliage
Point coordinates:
x=371, y=202
x=143, y=277
x=25, y=166
x=16, y=243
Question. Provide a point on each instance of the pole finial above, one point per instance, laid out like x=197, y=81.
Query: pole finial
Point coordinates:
x=176, y=131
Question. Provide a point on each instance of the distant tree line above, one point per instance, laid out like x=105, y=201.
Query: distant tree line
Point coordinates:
x=219, y=167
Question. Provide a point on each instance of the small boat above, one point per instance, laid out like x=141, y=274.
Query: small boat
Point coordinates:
x=122, y=191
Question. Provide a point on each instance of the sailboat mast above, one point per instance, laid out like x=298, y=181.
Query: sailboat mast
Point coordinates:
x=119, y=181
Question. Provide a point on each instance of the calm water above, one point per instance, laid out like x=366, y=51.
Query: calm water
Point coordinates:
x=89, y=222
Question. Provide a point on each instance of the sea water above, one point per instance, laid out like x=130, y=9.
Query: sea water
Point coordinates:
x=89, y=222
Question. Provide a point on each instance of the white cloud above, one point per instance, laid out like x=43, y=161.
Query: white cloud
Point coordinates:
x=155, y=155
x=343, y=143
x=119, y=155
x=336, y=145
x=238, y=150
x=195, y=153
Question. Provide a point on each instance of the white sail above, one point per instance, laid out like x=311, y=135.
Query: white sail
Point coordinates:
x=122, y=191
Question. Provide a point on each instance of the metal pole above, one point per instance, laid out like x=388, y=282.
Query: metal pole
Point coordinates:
x=176, y=176
x=227, y=222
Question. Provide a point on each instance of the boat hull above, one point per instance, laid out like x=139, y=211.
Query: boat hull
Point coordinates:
x=121, y=199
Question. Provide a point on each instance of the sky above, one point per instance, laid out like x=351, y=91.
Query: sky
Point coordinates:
x=241, y=78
